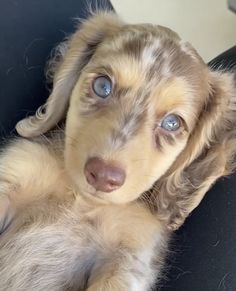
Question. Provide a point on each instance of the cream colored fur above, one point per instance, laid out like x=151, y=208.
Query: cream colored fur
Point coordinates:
x=58, y=232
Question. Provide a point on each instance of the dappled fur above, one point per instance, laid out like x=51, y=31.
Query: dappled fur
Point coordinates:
x=58, y=233
x=208, y=156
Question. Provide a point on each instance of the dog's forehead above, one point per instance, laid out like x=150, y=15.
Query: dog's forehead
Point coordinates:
x=153, y=73
x=141, y=54
x=152, y=68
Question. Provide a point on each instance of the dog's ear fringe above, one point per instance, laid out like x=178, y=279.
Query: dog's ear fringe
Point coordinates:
x=64, y=69
x=208, y=156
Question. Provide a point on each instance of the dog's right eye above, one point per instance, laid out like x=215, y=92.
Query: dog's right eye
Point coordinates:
x=171, y=122
x=102, y=86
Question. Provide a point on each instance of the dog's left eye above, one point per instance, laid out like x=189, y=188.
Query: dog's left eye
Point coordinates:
x=102, y=86
x=171, y=122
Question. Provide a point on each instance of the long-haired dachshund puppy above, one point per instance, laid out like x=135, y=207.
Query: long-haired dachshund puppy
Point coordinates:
x=148, y=129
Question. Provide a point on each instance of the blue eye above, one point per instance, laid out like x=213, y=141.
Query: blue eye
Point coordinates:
x=171, y=122
x=102, y=86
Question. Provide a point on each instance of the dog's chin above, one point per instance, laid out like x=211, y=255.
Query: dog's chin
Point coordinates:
x=93, y=196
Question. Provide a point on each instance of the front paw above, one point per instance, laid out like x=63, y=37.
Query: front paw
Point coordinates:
x=6, y=212
x=111, y=284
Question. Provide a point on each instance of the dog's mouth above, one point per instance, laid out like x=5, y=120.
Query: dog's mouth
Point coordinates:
x=91, y=194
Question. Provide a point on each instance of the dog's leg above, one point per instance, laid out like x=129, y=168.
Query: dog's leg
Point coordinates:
x=133, y=274
x=25, y=168
x=129, y=271
x=119, y=277
x=131, y=252
x=6, y=212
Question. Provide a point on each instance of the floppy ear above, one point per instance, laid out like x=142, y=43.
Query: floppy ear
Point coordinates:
x=80, y=48
x=208, y=155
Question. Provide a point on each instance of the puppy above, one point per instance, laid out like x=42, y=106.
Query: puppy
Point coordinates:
x=149, y=128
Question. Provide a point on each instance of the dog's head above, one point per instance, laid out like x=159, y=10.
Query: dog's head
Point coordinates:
x=143, y=111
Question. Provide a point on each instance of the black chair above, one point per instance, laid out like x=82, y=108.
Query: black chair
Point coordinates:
x=204, y=248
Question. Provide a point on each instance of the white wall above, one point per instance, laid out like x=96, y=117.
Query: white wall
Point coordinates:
x=207, y=24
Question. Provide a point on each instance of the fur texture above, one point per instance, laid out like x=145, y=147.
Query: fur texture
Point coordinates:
x=60, y=233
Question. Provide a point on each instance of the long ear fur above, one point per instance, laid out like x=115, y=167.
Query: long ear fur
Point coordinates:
x=78, y=51
x=208, y=156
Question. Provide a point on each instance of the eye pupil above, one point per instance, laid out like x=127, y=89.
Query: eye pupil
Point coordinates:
x=102, y=86
x=171, y=122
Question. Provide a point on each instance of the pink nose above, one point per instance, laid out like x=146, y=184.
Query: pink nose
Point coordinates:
x=103, y=177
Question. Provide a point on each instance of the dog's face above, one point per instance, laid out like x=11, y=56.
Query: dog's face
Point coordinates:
x=144, y=113
x=132, y=111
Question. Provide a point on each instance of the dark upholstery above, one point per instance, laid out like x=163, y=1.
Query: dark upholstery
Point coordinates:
x=29, y=29
x=205, y=247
